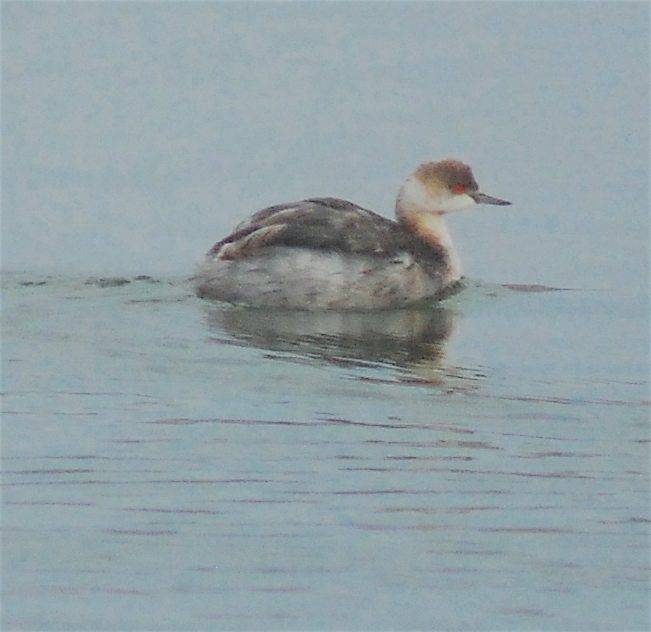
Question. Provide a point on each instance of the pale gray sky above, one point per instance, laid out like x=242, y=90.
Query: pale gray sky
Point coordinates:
x=134, y=135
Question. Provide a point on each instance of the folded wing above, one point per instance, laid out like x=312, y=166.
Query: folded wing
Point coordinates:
x=326, y=224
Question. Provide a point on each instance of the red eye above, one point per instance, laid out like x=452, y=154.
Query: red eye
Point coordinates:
x=458, y=189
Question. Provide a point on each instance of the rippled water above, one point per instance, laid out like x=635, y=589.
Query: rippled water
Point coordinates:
x=171, y=464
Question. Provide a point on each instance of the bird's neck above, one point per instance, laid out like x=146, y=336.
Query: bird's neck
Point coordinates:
x=415, y=213
x=432, y=228
x=419, y=214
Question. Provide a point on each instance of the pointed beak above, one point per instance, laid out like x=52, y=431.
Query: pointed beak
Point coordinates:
x=482, y=198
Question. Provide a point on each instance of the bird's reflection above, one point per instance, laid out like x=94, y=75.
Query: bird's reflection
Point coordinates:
x=412, y=339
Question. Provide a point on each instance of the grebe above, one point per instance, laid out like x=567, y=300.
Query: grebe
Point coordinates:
x=330, y=254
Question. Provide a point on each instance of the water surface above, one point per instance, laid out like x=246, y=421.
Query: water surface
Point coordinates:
x=174, y=464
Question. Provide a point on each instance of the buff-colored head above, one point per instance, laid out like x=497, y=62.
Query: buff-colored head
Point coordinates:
x=441, y=187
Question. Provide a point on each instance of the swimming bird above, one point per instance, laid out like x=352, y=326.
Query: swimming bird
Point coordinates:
x=330, y=254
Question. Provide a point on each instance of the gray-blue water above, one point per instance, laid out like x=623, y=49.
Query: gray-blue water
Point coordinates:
x=172, y=464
